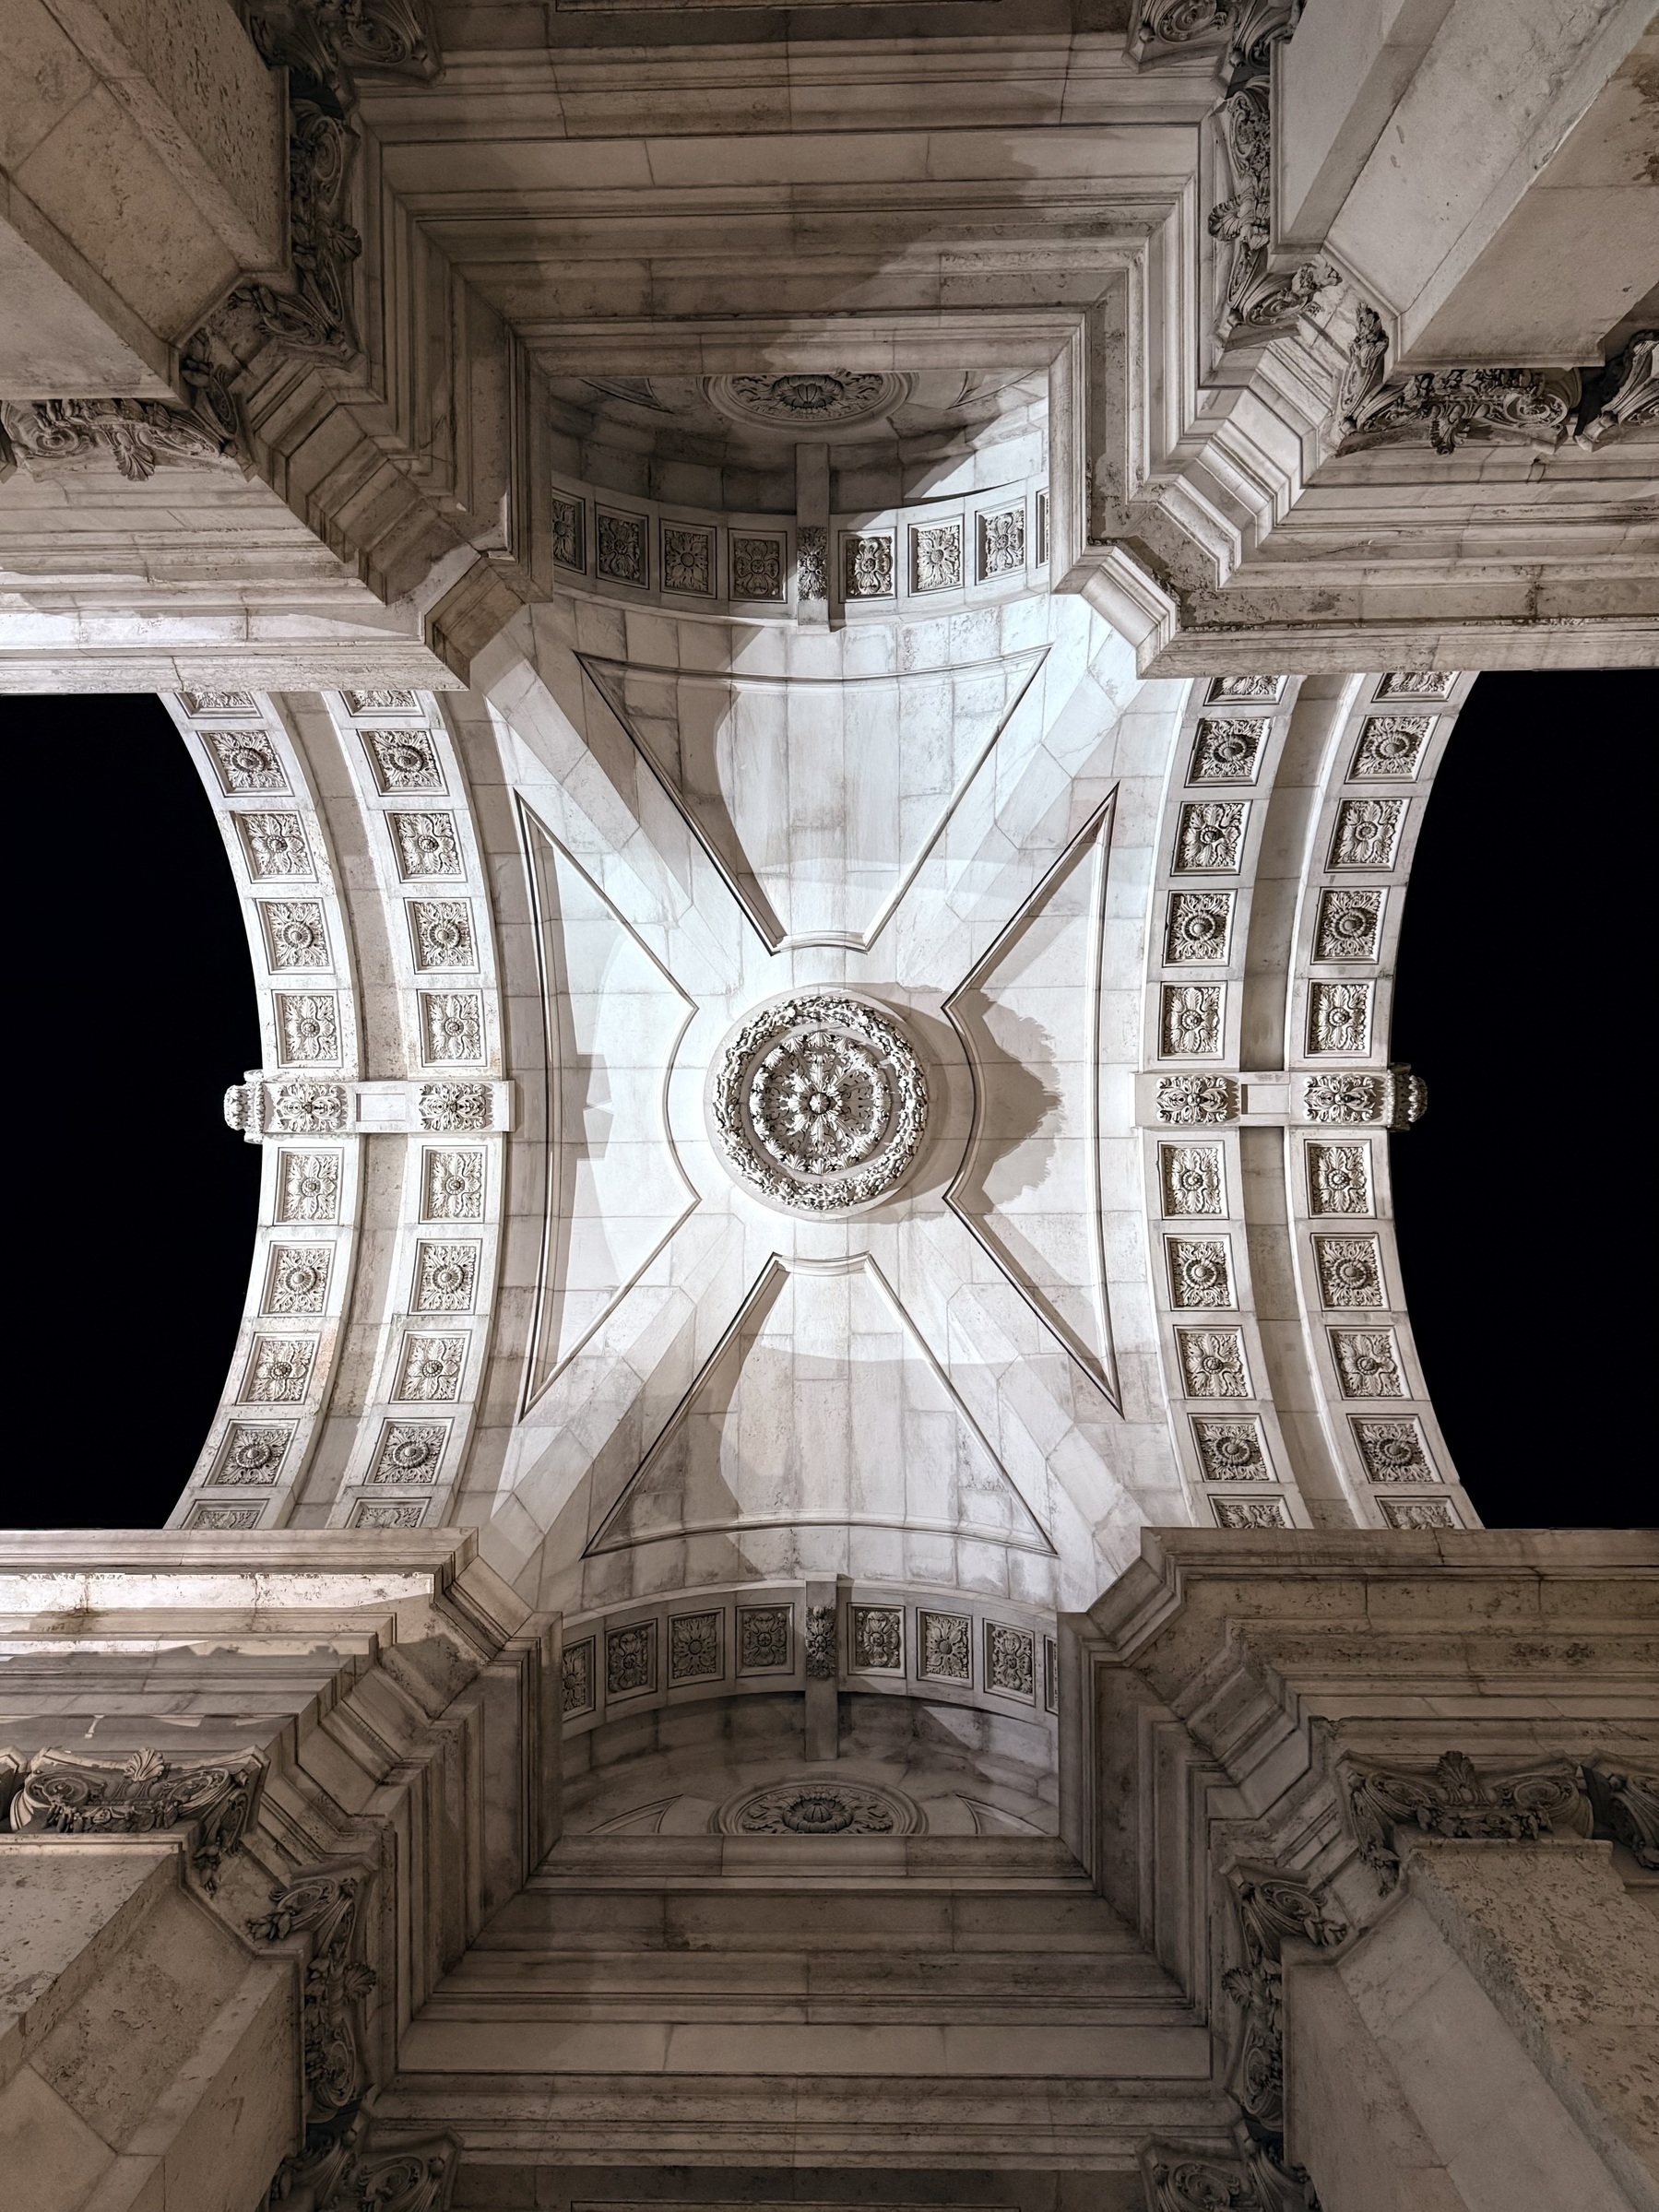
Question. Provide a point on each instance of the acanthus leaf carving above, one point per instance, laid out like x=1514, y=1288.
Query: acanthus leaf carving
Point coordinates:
x=1526, y=407
x=138, y=434
x=328, y=1906
x=344, y=2168
x=1270, y=1905
x=65, y=1795
x=1252, y=297
x=1623, y=395
x=1244, y=31
x=326, y=39
x=1195, y=2178
x=1195, y=1101
x=1454, y=1799
x=1625, y=1807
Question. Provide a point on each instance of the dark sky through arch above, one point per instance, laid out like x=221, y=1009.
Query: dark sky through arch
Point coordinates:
x=140, y=1206
x=1515, y=1197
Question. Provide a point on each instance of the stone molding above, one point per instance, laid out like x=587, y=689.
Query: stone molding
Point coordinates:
x=1207, y=1642
x=407, y=1777
x=1228, y=1694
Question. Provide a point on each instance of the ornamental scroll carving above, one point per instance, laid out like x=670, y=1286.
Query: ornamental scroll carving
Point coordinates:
x=1270, y=1905
x=1186, y=2177
x=820, y=1643
x=1243, y=33
x=348, y=2171
x=328, y=1906
x=1445, y=408
x=1625, y=1807
x=139, y=435
x=55, y=1793
x=1254, y=297
x=320, y=44
x=1454, y=1799
x=1625, y=394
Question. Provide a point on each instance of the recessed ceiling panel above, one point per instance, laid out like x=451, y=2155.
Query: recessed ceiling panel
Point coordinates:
x=1029, y=1017
x=821, y=1406
x=818, y=799
x=615, y=1017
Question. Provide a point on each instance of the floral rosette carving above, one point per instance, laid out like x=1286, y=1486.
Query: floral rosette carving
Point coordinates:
x=455, y=1106
x=814, y=1808
x=819, y=1102
x=308, y=1110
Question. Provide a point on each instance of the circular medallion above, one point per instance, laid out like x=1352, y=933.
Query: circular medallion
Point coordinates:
x=809, y=399
x=819, y=1102
x=814, y=1808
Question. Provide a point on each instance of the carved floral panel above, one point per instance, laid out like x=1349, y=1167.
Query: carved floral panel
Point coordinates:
x=1190, y=1023
x=245, y=760
x=623, y=558
x=1339, y=1179
x=579, y=1686
x=1191, y=1178
x=445, y=1278
x=452, y=1027
x=403, y=759
x=1339, y=1017
x=631, y=1659
x=442, y=933
x=936, y=556
x=757, y=568
x=695, y=1647
x=1368, y=1363
x=1231, y=1450
x=1209, y=837
x=297, y=1278
x=946, y=1646
x=1001, y=543
x=1212, y=1362
x=1197, y=928
x=1348, y=925
x=764, y=1638
x=279, y=1370
x=308, y=1185
x=1010, y=1661
x=1349, y=1271
x=688, y=559
x=1228, y=748
x=409, y=1451
x=1394, y=1450
x=430, y=1368
x=426, y=845
x=1200, y=1272
x=452, y=1186
x=878, y=1638
x=1250, y=1512
x=1390, y=747
x=275, y=848
x=1367, y=832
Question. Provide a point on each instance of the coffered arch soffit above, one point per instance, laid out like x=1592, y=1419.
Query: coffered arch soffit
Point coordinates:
x=557, y=1310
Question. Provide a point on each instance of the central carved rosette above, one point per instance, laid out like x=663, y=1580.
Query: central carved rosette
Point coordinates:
x=820, y=1103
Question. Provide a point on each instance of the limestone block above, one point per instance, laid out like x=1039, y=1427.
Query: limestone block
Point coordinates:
x=146, y=148
x=147, y=2054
